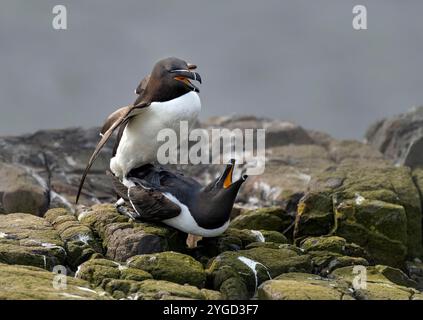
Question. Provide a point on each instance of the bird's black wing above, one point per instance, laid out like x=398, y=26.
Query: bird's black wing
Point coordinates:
x=148, y=203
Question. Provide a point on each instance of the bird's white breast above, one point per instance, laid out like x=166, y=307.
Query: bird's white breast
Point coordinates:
x=186, y=223
x=139, y=144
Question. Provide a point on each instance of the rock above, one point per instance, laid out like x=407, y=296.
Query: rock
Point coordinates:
x=273, y=219
x=324, y=262
x=61, y=155
x=415, y=272
x=333, y=244
x=418, y=181
x=382, y=283
x=288, y=171
x=31, y=283
x=236, y=239
x=400, y=138
x=331, y=252
x=171, y=266
x=123, y=238
x=238, y=274
x=293, y=157
x=80, y=242
x=377, y=208
x=271, y=245
x=29, y=240
x=350, y=152
x=21, y=190
x=302, y=286
x=277, y=132
x=165, y=290
x=99, y=272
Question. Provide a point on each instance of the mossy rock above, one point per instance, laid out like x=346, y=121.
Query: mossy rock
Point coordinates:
x=302, y=286
x=324, y=262
x=271, y=245
x=236, y=239
x=315, y=216
x=122, y=238
x=258, y=220
x=333, y=244
x=248, y=268
x=378, y=208
x=165, y=290
x=234, y=288
x=415, y=272
x=171, y=266
x=80, y=241
x=29, y=240
x=382, y=283
x=31, y=283
x=99, y=271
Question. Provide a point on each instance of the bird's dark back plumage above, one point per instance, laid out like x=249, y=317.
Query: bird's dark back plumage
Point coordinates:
x=180, y=186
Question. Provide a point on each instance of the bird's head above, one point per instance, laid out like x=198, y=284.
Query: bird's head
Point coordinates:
x=220, y=194
x=171, y=78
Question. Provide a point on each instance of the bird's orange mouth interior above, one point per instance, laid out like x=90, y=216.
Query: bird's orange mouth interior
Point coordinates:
x=228, y=180
x=183, y=79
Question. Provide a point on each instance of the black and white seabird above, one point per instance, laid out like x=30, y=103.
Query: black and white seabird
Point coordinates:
x=165, y=97
x=179, y=201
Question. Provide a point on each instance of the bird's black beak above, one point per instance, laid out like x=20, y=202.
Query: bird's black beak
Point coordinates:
x=185, y=75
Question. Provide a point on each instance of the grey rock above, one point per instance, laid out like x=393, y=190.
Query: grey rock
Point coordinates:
x=400, y=138
x=21, y=190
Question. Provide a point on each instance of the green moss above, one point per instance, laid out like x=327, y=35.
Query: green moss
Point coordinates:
x=325, y=262
x=53, y=214
x=301, y=286
x=211, y=294
x=95, y=271
x=258, y=220
x=373, y=205
x=135, y=274
x=234, y=289
x=171, y=266
x=274, y=236
x=270, y=245
x=324, y=243
x=30, y=240
x=23, y=282
x=80, y=242
x=268, y=263
x=165, y=290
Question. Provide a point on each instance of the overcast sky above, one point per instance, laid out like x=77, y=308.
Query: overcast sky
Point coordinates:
x=294, y=60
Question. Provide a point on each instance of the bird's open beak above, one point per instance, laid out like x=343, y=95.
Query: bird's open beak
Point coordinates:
x=225, y=179
x=185, y=76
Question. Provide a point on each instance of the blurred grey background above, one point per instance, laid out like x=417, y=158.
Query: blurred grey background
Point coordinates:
x=295, y=60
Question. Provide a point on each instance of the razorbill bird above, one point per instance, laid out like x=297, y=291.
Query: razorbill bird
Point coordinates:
x=158, y=194
x=165, y=97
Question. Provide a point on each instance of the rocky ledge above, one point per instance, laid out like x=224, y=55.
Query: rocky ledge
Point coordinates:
x=324, y=212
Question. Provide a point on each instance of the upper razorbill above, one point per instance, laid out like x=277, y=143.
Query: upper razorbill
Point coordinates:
x=165, y=97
